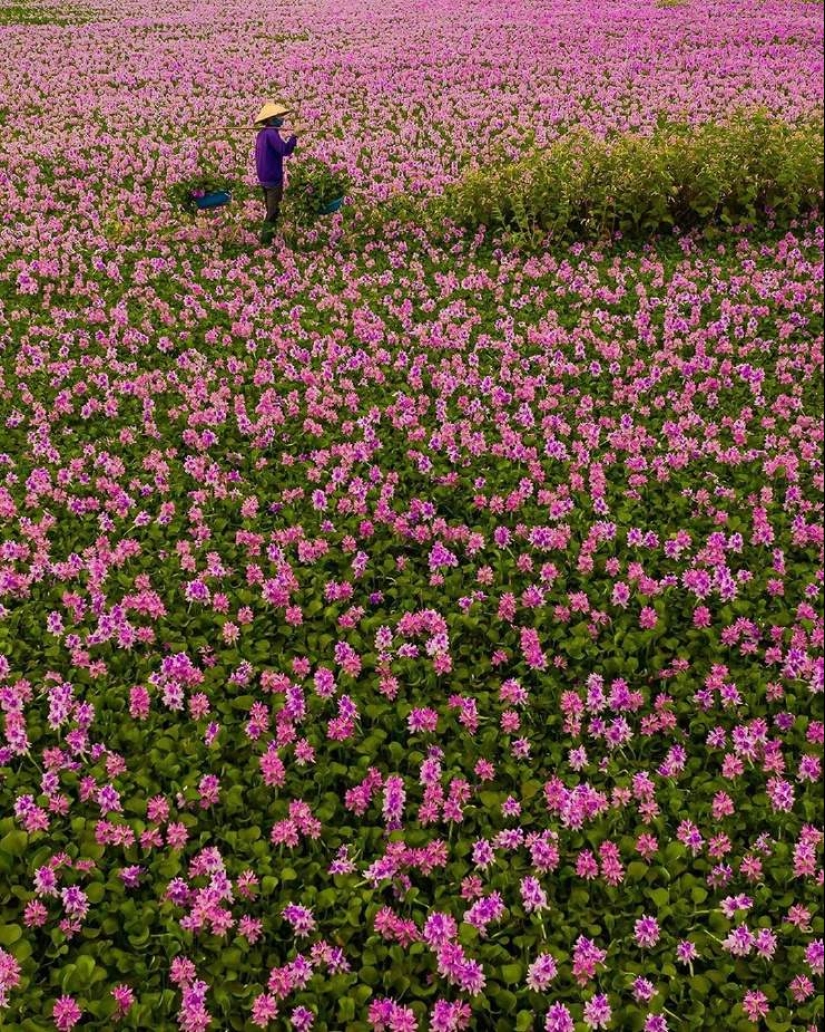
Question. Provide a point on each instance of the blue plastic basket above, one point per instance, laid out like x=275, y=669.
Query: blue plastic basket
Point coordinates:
x=217, y=199
x=333, y=206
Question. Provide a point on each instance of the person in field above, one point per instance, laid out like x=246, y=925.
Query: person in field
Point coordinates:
x=270, y=150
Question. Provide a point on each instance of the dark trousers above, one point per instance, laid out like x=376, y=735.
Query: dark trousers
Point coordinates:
x=273, y=195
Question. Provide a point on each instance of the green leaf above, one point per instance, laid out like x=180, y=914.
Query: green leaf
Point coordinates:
x=505, y=1000
x=84, y=969
x=512, y=974
x=10, y=934
x=530, y=789
x=467, y=934
x=95, y=892
x=14, y=843
x=637, y=870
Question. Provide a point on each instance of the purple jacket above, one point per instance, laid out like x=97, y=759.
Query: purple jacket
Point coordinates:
x=270, y=151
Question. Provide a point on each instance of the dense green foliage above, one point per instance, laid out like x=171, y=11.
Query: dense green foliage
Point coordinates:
x=312, y=185
x=24, y=12
x=747, y=169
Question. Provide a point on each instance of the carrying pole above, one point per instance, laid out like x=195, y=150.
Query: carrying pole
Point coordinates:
x=250, y=128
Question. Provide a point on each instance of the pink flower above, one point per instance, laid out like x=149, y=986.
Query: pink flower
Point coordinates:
x=559, y=1019
x=66, y=1014
x=597, y=1012
x=755, y=1005
x=124, y=999
x=815, y=957
x=646, y=931
x=303, y=1019
x=541, y=972
x=9, y=976
x=264, y=1010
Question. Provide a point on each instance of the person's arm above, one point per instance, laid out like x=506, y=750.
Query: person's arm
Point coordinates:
x=282, y=146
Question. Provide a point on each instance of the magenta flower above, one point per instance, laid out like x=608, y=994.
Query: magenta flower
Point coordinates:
x=9, y=976
x=755, y=1005
x=124, y=999
x=66, y=1014
x=815, y=957
x=597, y=1012
x=301, y=919
x=686, y=952
x=646, y=931
x=541, y=972
x=264, y=1010
x=302, y=1019
x=559, y=1019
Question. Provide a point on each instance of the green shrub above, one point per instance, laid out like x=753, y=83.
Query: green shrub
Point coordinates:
x=745, y=170
x=27, y=13
x=313, y=185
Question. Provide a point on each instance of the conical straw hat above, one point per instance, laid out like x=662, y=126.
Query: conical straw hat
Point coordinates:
x=270, y=111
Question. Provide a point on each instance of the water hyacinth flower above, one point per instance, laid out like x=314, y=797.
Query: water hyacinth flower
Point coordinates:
x=66, y=1014
x=124, y=998
x=755, y=1005
x=815, y=957
x=647, y=932
x=541, y=972
x=9, y=976
x=302, y=1019
x=597, y=1012
x=300, y=918
x=643, y=990
x=534, y=898
x=450, y=1017
x=264, y=1010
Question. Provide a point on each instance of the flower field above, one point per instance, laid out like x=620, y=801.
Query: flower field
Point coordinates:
x=403, y=632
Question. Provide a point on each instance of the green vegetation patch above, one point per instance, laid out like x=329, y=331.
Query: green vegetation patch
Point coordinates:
x=748, y=169
x=43, y=14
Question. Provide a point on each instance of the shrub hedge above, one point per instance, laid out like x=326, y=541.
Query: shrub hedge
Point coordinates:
x=749, y=169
